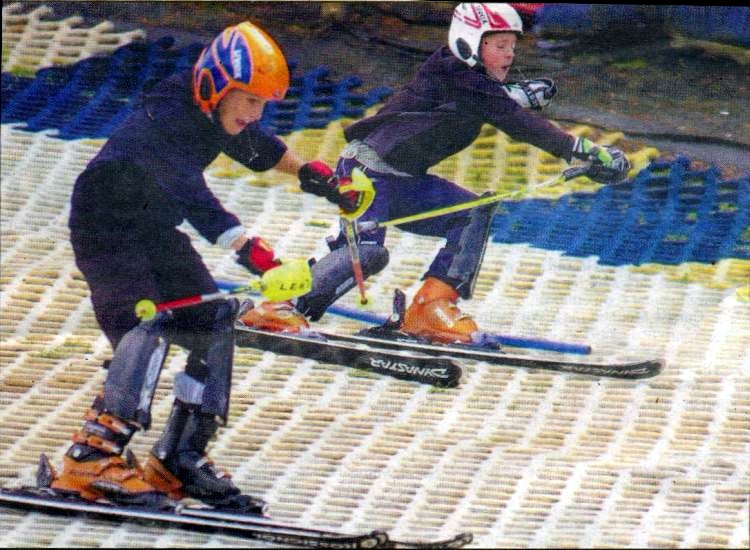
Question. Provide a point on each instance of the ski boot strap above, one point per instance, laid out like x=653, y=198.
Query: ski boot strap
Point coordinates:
x=110, y=422
x=218, y=473
x=104, y=432
x=98, y=443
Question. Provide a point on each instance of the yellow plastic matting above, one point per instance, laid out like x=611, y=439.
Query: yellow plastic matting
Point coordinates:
x=520, y=458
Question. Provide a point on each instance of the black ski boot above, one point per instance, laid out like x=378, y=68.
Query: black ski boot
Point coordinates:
x=179, y=466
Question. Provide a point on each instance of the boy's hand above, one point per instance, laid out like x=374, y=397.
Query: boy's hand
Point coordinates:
x=257, y=256
x=317, y=178
x=532, y=94
x=608, y=164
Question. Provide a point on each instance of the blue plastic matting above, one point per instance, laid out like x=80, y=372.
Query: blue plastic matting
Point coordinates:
x=717, y=23
x=90, y=98
x=586, y=18
x=667, y=214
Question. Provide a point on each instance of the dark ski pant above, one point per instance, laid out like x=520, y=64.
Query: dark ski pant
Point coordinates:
x=399, y=196
x=126, y=254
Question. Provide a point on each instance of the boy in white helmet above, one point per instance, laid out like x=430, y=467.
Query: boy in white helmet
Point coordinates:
x=440, y=112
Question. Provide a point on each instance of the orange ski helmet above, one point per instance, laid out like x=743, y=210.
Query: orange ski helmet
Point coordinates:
x=242, y=57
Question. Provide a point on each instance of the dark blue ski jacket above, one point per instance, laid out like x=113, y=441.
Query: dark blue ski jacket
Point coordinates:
x=171, y=142
x=442, y=110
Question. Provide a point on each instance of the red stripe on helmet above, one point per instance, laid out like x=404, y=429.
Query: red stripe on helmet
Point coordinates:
x=495, y=20
x=475, y=21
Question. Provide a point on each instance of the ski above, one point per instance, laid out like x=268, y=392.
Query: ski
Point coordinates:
x=396, y=340
x=197, y=518
x=259, y=528
x=412, y=365
x=458, y=541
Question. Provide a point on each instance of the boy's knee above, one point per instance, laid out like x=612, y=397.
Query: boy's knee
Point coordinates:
x=333, y=277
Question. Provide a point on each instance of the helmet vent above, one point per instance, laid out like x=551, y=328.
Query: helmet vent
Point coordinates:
x=464, y=50
x=205, y=88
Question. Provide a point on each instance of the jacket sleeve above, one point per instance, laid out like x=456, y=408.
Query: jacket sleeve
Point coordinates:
x=207, y=214
x=256, y=149
x=173, y=143
x=199, y=206
x=487, y=99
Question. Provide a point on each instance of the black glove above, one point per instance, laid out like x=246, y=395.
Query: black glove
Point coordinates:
x=257, y=256
x=317, y=178
x=608, y=164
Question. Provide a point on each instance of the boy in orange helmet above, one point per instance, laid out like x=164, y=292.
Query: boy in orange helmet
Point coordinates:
x=125, y=209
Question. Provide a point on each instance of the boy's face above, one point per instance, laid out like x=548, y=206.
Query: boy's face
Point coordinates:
x=238, y=109
x=497, y=51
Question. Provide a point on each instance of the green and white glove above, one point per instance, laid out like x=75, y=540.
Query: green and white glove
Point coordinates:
x=608, y=164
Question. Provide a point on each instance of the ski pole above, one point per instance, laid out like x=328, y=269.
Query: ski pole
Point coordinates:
x=361, y=183
x=371, y=225
x=481, y=338
x=351, y=242
x=289, y=280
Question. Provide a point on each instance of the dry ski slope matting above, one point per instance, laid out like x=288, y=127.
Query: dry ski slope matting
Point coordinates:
x=657, y=268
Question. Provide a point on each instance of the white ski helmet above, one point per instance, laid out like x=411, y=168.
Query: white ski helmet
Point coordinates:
x=471, y=20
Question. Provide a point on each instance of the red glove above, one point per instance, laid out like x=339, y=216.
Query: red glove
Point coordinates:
x=257, y=256
x=317, y=178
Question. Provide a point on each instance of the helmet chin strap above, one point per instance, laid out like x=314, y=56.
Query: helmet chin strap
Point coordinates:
x=210, y=114
x=213, y=116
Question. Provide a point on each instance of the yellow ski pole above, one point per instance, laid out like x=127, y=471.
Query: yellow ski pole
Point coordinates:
x=568, y=174
x=361, y=183
x=289, y=280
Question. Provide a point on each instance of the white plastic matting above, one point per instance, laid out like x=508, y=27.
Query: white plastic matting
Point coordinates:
x=520, y=458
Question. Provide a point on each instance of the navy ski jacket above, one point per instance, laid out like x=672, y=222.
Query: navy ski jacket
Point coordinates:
x=441, y=111
x=172, y=142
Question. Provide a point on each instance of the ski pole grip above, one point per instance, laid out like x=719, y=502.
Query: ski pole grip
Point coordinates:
x=291, y=279
x=362, y=184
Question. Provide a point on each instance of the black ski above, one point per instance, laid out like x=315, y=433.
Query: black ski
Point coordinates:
x=260, y=528
x=396, y=340
x=412, y=365
x=208, y=519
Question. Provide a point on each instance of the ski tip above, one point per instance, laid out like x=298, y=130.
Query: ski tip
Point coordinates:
x=452, y=382
x=655, y=366
x=459, y=541
x=381, y=538
x=641, y=369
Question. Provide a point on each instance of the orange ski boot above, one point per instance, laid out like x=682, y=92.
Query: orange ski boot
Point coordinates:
x=434, y=315
x=274, y=317
x=93, y=468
